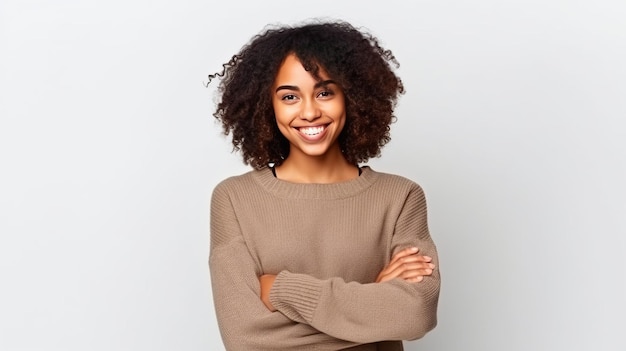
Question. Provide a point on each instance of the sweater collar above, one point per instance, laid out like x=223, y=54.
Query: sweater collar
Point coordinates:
x=330, y=191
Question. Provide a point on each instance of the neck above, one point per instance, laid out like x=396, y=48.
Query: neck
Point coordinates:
x=332, y=167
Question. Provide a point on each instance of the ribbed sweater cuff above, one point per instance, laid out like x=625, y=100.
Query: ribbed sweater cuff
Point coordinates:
x=296, y=295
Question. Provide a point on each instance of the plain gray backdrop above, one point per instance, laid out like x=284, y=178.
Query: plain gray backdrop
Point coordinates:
x=512, y=123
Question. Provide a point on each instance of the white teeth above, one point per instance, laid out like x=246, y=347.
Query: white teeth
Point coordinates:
x=312, y=130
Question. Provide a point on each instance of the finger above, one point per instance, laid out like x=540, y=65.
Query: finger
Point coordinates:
x=406, y=260
x=408, y=275
x=403, y=253
x=415, y=280
x=417, y=266
x=400, y=255
x=414, y=258
x=408, y=270
x=416, y=273
x=391, y=272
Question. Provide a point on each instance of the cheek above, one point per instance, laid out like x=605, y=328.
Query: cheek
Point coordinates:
x=339, y=110
x=281, y=116
x=340, y=107
x=341, y=113
x=282, y=120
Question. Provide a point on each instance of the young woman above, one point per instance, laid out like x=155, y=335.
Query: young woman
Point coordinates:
x=310, y=251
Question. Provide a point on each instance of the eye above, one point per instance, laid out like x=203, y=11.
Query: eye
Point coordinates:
x=325, y=93
x=289, y=97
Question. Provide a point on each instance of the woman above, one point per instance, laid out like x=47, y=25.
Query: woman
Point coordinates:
x=309, y=251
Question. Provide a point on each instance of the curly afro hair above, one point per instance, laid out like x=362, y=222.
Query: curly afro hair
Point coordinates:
x=353, y=59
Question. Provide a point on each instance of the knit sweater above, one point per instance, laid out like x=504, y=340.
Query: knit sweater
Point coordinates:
x=326, y=243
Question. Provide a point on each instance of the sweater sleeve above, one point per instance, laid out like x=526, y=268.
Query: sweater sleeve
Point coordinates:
x=244, y=321
x=393, y=310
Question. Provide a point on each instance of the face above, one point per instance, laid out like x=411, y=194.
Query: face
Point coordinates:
x=309, y=113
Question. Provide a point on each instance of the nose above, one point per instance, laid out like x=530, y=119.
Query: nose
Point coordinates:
x=310, y=110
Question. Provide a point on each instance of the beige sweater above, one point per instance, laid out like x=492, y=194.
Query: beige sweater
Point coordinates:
x=327, y=243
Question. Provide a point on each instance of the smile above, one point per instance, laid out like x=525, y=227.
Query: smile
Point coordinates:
x=312, y=131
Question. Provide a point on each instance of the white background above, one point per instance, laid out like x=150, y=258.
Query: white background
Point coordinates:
x=512, y=123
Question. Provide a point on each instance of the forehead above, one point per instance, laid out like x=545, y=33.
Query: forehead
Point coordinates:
x=292, y=71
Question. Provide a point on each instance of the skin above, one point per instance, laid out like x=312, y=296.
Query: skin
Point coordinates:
x=408, y=265
x=311, y=113
x=300, y=101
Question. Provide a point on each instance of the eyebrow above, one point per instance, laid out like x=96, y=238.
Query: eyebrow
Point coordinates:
x=322, y=83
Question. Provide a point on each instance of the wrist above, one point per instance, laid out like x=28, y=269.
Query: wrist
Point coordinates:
x=267, y=281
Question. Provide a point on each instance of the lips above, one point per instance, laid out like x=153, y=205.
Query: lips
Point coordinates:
x=312, y=133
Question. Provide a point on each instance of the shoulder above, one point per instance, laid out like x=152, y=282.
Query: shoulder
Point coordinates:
x=395, y=183
x=403, y=193
x=244, y=182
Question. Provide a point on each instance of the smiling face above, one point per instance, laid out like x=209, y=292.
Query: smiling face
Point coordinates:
x=310, y=113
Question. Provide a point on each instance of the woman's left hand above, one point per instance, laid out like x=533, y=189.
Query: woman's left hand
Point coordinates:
x=407, y=265
x=267, y=280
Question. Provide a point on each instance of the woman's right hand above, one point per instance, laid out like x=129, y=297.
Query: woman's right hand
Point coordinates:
x=407, y=265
